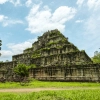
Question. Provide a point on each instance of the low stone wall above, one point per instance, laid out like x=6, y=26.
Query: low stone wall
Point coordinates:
x=89, y=72
x=6, y=71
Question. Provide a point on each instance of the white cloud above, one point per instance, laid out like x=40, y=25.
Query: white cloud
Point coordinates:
x=40, y=20
x=79, y=21
x=63, y=14
x=28, y=3
x=5, y=21
x=95, y=4
x=6, y=53
x=11, y=22
x=15, y=2
x=79, y=2
x=3, y=1
x=92, y=4
x=16, y=49
x=91, y=26
x=92, y=23
x=2, y=18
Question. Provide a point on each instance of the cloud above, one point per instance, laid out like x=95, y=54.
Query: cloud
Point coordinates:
x=5, y=21
x=92, y=33
x=42, y=19
x=92, y=23
x=3, y=1
x=28, y=3
x=95, y=4
x=14, y=49
x=79, y=2
x=79, y=21
x=6, y=53
x=2, y=18
x=91, y=26
x=14, y=2
x=12, y=22
x=18, y=48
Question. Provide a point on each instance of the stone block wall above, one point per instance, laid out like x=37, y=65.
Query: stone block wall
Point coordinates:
x=6, y=70
x=89, y=72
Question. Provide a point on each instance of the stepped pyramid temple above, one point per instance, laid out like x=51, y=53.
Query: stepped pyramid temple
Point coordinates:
x=54, y=58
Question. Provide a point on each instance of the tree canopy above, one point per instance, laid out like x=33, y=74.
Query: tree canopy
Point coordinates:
x=22, y=70
x=96, y=58
x=0, y=45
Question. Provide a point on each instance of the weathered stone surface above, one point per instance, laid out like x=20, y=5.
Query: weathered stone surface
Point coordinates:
x=6, y=70
x=86, y=72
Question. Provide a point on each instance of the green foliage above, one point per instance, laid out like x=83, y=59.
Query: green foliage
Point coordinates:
x=32, y=66
x=28, y=48
x=59, y=47
x=51, y=43
x=39, y=84
x=36, y=54
x=57, y=42
x=64, y=40
x=0, y=42
x=1, y=61
x=55, y=32
x=45, y=49
x=82, y=50
x=96, y=58
x=0, y=45
x=22, y=70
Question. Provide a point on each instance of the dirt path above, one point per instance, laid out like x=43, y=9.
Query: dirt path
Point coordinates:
x=44, y=89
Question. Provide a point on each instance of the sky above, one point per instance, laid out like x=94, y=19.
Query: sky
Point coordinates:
x=22, y=21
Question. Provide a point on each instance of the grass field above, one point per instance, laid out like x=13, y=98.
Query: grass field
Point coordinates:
x=37, y=84
x=73, y=94
x=54, y=95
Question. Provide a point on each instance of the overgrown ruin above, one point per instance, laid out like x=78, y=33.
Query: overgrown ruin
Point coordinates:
x=54, y=58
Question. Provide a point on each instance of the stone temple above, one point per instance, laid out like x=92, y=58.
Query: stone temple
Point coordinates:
x=54, y=58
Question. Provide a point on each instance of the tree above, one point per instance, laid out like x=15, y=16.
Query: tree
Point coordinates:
x=96, y=58
x=0, y=42
x=0, y=45
x=22, y=71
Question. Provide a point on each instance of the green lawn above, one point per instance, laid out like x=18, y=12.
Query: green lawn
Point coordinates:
x=54, y=95
x=82, y=94
x=37, y=84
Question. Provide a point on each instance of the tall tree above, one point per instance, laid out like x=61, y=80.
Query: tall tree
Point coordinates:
x=0, y=46
x=96, y=58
